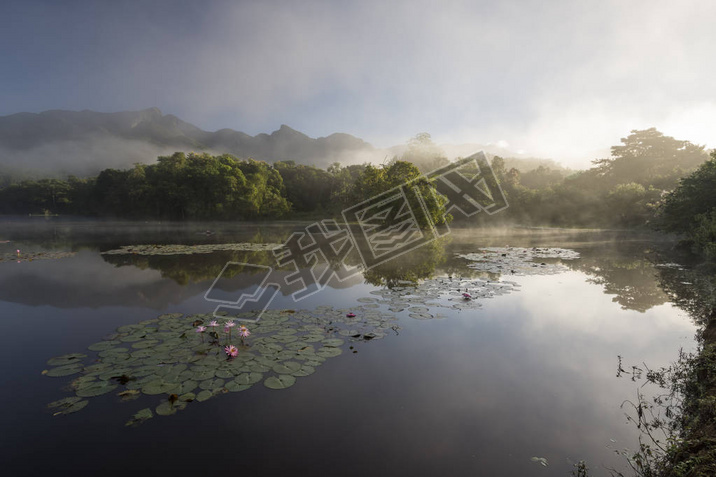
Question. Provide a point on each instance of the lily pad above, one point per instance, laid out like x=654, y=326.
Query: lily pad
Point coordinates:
x=287, y=367
x=281, y=381
x=328, y=352
x=204, y=395
x=212, y=384
x=96, y=388
x=334, y=342
x=160, y=387
x=140, y=417
x=72, y=358
x=233, y=386
x=145, y=344
x=64, y=370
x=68, y=405
x=249, y=378
x=103, y=345
x=165, y=409
x=304, y=371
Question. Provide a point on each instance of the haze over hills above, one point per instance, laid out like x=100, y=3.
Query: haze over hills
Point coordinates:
x=86, y=142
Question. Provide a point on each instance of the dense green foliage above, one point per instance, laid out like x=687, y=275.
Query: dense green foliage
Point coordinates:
x=205, y=187
x=691, y=208
x=197, y=186
x=624, y=190
x=632, y=188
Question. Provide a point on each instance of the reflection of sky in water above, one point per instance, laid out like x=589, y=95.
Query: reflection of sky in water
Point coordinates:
x=531, y=373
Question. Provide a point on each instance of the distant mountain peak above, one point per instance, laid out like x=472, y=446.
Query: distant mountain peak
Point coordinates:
x=85, y=142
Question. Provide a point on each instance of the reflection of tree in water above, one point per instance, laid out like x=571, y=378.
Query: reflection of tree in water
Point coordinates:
x=184, y=269
x=628, y=274
x=409, y=268
x=100, y=235
x=684, y=411
x=691, y=288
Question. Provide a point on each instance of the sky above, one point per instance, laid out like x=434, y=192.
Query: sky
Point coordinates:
x=558, y=79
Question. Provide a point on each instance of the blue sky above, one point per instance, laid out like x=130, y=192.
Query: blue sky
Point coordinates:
x=558, y=79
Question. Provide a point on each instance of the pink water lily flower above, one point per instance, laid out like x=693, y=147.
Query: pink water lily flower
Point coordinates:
x=244, y=332
x=213, y=323
x=231, y=350
x=230, y=324
x=200, y=329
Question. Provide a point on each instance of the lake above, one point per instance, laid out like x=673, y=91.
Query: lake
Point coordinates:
x=520, y=380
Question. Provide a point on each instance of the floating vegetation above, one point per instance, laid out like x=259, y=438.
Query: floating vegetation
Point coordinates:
x=184, y=359
x=68, y=405
x=32, y=256
x=520, y=261
x=167, y=358
x=178, y=249
x=140, y=417
x=445, y=292
x=420, y=299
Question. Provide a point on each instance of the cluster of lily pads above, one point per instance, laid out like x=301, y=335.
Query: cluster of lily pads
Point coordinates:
x=192, y=358
x=32, y=256
x=420, y=300
x=177, y=249
x=519, y=261
x=167, y=357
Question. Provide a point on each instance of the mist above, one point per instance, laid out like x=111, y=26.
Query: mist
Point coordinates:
x=83, y=157
x=557, y=80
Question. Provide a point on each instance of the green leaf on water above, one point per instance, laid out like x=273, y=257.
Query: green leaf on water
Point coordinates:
x=249, y=378
x=141, y=416
x=333, y=342
x=188, y=386
x=258, y=368
x=328, y=352
x=282, y=381
x=72, y=358
x=64, y=370
x=96, y=388
x=64, y=402
x=103, y=345
x=212, y=384
x=287, y=367
x=224, y=373
x=233, y=386
x=68, y=405
x=160, y=387
x=304, y=371
x=145, y=344
x=204, y=395
x=165, y=409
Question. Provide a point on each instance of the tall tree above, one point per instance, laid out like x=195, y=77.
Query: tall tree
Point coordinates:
x=423, y=152
x=647, y=157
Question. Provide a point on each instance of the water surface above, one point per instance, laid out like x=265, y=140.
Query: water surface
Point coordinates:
x=481, y=391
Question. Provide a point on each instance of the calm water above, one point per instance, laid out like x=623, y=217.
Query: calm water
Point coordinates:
x=530, y=373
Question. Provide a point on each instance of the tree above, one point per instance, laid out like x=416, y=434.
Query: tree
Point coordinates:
x=692, y=201
x=424, y=153
x=376, y=180
x=647, y=157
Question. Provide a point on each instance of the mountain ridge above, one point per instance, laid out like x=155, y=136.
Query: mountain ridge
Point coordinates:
x=37, y=140
x=63, y=142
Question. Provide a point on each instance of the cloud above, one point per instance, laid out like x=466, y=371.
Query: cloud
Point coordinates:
x=559, y=79
x=86, y=157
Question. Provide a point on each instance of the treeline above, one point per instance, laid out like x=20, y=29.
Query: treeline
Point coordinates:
x=625, y=190
x=645, y=182
x=205, y=187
